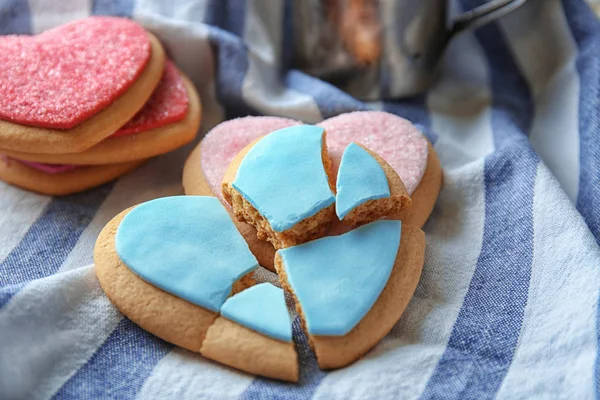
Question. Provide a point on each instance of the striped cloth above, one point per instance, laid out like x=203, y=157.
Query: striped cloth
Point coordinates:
x=507, y=305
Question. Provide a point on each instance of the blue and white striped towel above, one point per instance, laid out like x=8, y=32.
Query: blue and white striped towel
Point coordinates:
x=507, y=305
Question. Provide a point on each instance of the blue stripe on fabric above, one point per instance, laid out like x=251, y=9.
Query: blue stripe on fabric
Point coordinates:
x=14, y=17
x=119, y=368
x=7, y=292
x=485, y=335
x=310, y=375
x=120, y=8
x=51, y=238
x=415, y=110
x=287, y=42
x=330, y=100
x=586, y=32
x=231, y=54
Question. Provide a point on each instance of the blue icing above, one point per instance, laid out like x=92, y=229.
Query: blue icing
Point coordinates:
x=283, y=176
x=187, y=246
x=261, y=308
x=360, y=179
x=337, y=279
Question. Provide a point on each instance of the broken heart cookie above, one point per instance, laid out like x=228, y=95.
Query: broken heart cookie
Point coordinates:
x=179, y=268
x=168, y=120
x=171, y=264
x=70, y=87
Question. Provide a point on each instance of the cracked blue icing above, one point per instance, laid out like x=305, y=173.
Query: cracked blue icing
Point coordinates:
x=360, y=179
x=283, y=176
x=187, y=246
x=261, y=308
x=337, y=279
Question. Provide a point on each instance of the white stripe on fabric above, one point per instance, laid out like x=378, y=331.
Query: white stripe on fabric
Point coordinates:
x=262, y=88
x=49, y=330
x=403, y=362
x=459, y=104
x=545, y=51
x=185, y=375
x=49, y=14
x=556, y=351
x=185, y=10
x=180, y=32
x=20, y=209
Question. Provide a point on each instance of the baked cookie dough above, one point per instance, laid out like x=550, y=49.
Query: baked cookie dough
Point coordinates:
x=62, y=183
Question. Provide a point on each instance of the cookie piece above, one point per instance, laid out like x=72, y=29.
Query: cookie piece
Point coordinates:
x=163, y=314
x=401, y=145
x=102, y=118
x=333, y=344
x=254, y=334
x=62, y=180
x=281, y=186
x=129, y=143
x=242, y=348
x=367, y=188
x=223, y=143
x=205, y=252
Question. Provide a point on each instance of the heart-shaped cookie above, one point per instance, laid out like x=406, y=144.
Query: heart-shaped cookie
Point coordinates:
x=61, y=80
x=169, y=120
x=63, y=76
x=172, y=265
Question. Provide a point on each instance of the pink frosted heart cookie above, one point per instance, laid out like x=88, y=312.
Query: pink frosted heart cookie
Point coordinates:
x=68, y=88
x=392, y=138
x=169, y=120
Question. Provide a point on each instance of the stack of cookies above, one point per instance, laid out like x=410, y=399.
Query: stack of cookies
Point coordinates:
x=87, y=102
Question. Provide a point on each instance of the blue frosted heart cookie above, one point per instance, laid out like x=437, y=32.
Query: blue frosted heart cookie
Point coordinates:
x=172, y=264
x=351, y=289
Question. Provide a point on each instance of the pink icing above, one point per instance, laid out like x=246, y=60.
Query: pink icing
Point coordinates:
x=168, y=104
x=64, y=76
x=395, y=139
x=225, y=140
x=49, y=168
